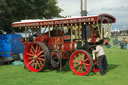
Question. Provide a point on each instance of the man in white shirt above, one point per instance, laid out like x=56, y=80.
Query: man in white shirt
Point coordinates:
x=102, y=61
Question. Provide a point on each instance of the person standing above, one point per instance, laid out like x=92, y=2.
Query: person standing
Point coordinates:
x=102, y=61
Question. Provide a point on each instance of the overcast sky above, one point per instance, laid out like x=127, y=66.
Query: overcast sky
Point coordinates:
x=118, y=8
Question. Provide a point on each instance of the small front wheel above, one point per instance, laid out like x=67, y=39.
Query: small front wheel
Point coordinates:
x=81, y=62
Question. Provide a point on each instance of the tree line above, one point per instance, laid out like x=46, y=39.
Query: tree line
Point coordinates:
x=16, y=10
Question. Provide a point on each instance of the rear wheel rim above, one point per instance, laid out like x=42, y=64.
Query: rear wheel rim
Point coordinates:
x=34, y=57
x=80, y=63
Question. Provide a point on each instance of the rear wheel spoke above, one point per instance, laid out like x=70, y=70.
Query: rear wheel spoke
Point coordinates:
x=38, y=64
x=33, y=49
x=35, y=65
x=30, y=58
x=42, y=56
x=41, y=63
x=40, y=53
x=36, y=48
x=30, y=63
x=41, y=59
x=30, y=54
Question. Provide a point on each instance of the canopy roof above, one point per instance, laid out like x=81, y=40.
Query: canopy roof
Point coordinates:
x=105, y=18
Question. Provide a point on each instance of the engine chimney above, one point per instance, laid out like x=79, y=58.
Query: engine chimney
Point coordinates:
x=84, y=8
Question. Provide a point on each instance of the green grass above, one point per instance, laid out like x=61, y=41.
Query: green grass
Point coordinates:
x=117, y=73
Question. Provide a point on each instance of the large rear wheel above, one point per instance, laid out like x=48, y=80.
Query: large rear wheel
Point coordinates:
x=36, y=57
x=81, y=62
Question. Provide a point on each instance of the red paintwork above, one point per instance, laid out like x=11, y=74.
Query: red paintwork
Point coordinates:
x=68, y=46
x=37, y=64
x=41, y=38
x=55, y=42
x=64, y=21
x=67, y=37
x=109, y=16
x=26, y=43
x=11, y=53
x=56, y=22
x=59, y=42
x=21, y=39
x=86, y=66
x=94, y=68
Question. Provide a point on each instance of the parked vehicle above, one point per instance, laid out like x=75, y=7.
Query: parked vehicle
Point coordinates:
x=10, y=47
x=67, y=39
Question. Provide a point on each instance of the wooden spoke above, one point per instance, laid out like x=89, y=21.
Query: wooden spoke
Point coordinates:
x=82, y=70
x=41, y=63
x=76, y=58
x=42, y=56
x=82, y=56
x=76, y=65
x=33, y=48
x=85, y=64
x=41, y=59
x=30, y=58
x=40, y=53
x=30, y=54
x=36, y=48
x=30, y=62
x=35, y=65
x=79, y=69
x=85, y=60
x=32, y=51
x=75, y=61
x=85, y=67
x=38, y=64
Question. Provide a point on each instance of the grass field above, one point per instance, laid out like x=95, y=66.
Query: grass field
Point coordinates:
x=117, y=73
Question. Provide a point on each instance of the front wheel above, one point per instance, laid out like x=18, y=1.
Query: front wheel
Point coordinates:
x=81, y=62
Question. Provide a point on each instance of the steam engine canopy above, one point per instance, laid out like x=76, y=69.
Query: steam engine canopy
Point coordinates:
x=105, y=18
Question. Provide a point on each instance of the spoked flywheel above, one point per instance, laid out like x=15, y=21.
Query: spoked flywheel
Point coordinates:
x=36, y=57
x=81, y=62
x=55, y=60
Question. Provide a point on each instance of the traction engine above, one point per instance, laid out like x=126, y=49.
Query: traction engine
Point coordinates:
x=57, y=41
